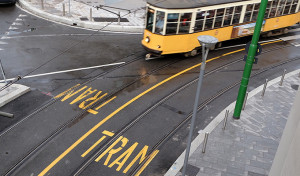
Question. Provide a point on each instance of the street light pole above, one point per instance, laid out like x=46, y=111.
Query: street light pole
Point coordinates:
x=249, y=62
x=206, y=42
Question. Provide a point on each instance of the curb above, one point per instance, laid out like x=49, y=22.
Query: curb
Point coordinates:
x=175, y=168
x=11, y=93
x=89, y=25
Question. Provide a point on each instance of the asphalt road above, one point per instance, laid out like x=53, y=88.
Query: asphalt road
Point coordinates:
x=122, y=94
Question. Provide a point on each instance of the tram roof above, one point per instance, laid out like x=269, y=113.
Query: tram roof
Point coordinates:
x=187, y=4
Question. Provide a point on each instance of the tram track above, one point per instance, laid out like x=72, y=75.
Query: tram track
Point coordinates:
x=83, y=112
x=200, y=107
x=50, y=102
x=138, y=118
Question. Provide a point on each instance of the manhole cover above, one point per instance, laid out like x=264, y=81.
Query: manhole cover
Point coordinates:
x=98, y=19
x=295, y=87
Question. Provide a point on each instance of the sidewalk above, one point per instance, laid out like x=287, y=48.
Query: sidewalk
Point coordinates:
x=132, y=13
x=247, y=146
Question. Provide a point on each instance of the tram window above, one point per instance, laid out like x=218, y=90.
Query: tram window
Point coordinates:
x=273, y=9
x=199, y=21
x=237, y=14
x=159, y=24
x=268, y=9
x=280, y=7
x=185, y=22
x=173, y=17
x=209, y=19
x=219, y=18
x=248, y=13
x=294, y=6
x=172, y=23
x=228, y=16
x=255, y=12
x=150, y=17
x=287, y=7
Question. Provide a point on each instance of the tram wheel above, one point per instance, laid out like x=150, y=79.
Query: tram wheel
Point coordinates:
x=285, y=30
x=192, y=53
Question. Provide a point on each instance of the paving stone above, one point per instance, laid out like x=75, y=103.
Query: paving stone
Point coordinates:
x=255, y=174
x=248, y=146
x=211, y=171
x=255, y=169
x=260, y=164
x=191, y=170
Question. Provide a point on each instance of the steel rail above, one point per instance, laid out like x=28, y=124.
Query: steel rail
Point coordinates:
x=84, y=112
x=78, y=116
x=133, y=122
x=200, y=107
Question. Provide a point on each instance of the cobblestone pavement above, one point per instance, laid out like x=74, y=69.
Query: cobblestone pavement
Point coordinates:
x=247, y=146
x=80, y=10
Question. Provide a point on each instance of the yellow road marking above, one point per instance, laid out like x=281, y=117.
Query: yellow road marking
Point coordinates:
x=98, y=142
x=70, y=90
x=147, y=162
x=118, y=110
x=103, y=104
x=226, y=54
x=93, y=146
x=142, y=155
x=108, y=133
x=124, y=157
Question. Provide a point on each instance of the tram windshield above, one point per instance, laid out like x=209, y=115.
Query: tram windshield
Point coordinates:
x=150, y=19
x=159, y=23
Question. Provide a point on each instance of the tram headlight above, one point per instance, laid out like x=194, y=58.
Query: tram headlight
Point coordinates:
x=147, y=39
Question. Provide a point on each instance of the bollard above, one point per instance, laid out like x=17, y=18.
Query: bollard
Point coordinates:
x=91, y=14
x=264, y=89
x=64, y=9
x=245, y=100
x=3, y=73
x=205, y=142
x=282, y=77
x=42, y=3
x=70, y=7
x=9, y=115
x=119, y=18
x=225, y=119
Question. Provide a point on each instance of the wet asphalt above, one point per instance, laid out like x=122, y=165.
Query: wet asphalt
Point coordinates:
x=36, y=41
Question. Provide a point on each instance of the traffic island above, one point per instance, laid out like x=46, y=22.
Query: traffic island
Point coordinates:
x=12, y=92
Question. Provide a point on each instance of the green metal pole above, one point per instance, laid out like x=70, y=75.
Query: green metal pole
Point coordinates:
x=250, y=58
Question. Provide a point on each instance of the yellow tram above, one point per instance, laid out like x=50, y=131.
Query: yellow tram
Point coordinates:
x=172, y=26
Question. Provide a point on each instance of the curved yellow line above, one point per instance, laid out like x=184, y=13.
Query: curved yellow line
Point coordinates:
x=124, y=106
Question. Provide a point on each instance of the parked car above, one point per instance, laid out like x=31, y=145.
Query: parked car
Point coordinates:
x=8, y=1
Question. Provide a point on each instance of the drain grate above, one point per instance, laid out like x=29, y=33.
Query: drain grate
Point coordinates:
x=98, y=19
